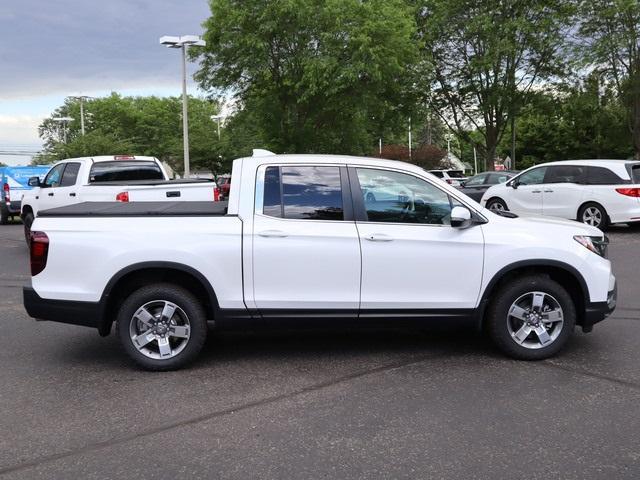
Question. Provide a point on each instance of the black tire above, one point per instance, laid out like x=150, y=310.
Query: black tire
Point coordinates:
x=4, y=215
x=588, y=210
x=184, y=300
x=497, y=204
x=27, y=220
x=503, y=327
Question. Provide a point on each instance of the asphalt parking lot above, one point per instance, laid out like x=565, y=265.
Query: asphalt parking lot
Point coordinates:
x=375, y=404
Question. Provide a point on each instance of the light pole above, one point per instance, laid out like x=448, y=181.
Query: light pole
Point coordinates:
x=182, y=43
x=64, y=121
x=81, y=99
x=219, y=118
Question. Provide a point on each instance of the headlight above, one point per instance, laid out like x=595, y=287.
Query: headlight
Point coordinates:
x=597, y=245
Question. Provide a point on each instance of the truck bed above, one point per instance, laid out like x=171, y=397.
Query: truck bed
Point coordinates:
x=139, y=209
x=128, y=183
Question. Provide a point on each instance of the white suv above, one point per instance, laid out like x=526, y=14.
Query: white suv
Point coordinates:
x=452, y=177
x=596, y=192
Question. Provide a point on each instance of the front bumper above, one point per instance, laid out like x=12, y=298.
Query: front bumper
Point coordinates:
x=597, y=311
x=86, y=314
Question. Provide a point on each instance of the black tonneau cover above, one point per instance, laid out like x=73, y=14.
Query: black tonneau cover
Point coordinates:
x=139, y=209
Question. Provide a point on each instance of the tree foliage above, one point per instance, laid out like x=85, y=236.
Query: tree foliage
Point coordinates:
x=487, y=55
x=610, y=40
x=314, y=76
x=134, y=125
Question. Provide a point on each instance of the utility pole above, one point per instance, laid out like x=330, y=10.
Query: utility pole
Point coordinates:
x=81, y=99
x=410, y=139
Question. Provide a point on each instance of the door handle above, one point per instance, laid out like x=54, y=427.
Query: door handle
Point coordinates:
x=72, y=194
x=50, y=194
x=273, y=233
x=548, y=191
x=379, y=237
x=536, y=191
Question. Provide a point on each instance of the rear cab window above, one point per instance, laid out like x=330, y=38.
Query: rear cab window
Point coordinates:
x=303, y=192
x=456, y=174
x=124, y=171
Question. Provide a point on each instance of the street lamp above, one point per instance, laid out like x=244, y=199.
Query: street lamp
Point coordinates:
x=219, y=118
x=182, y=43
x=64, y=121
x=81, y=99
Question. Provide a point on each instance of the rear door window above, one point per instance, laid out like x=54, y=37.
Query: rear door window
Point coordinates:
x=635, y=173
x=303, y=193
x=565, y=174
x=70, y=175
x=123, y=171
x=603, y=176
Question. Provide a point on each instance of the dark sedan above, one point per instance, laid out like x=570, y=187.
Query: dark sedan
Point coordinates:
x=475, y=186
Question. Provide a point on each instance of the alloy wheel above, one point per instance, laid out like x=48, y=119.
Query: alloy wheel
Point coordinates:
x=535, y=320
x=160, y=329
x=592, y=216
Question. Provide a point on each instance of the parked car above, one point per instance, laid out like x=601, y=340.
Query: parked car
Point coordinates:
x=595, y=192
x=14, y=181
x=122, y=178
x=452, y=177
x=475, y=186
x=298, y=244
x=224, y=185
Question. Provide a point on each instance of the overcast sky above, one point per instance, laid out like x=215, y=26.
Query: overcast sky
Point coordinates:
x=51, y=49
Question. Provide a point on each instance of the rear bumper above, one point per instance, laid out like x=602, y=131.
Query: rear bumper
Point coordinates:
x=86, y=314
x=13, y=207
x=597, y=311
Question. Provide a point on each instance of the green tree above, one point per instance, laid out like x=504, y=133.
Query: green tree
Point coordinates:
x=610, y=40
x=314, y=76
x=134, y=125
x=486, y=56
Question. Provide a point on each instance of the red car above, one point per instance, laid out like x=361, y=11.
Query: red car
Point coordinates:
x=224, y=185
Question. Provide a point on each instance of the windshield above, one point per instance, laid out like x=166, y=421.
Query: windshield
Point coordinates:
x=121, y=171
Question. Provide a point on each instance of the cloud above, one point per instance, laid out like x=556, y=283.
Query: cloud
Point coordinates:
x=71, y=46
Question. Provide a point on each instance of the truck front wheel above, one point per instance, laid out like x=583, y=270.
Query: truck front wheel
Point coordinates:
x=162, y=327
x=531, y=318
x=27, y=220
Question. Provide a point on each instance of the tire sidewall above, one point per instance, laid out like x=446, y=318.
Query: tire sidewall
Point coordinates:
x=498, y=317
x=27, y=220
x=4, y=215
x=495, y=200
x=181, y=297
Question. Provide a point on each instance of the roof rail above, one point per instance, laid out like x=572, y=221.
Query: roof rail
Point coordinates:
x=259, y=152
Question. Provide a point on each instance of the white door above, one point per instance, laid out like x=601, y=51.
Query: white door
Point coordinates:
x=564, y=190
x=411, y=256
x=46, y=196
x=306, y=251
x=527, y=197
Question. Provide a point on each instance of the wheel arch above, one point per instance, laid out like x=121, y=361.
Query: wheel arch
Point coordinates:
x=144, y=273
x=563, y=273
x=589, y=202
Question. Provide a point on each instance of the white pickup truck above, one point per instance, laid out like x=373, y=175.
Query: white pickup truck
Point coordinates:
x=300, y=244
x=123, y=178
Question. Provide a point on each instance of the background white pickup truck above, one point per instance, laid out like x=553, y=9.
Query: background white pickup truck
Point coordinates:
x=308, y=239
x=110, y=178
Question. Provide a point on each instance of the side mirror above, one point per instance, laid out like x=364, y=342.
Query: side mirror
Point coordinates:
x=462, y=184
x=514, y=184
x=460, y=217
x=34, y=181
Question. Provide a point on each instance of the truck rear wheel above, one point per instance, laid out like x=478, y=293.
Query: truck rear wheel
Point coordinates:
x=27, y=220
x=4, y=215
x=531, y=318
x=162, y=327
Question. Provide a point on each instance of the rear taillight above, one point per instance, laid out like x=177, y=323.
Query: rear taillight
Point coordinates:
x=7, y=193
x=449, y=181
x=122, y=197
x=629, y=192
x=216, y=194
x=39, y=247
